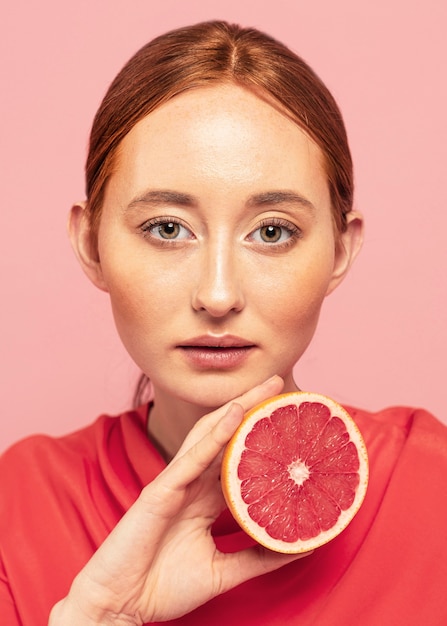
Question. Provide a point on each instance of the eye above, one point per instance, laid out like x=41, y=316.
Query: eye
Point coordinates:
x=271, y=234
x=275, y=231
x=166, y=229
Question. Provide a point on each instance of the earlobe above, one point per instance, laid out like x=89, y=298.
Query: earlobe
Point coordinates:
x=347, y=248
x=86, y=251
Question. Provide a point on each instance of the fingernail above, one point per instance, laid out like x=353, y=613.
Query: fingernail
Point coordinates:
x=274, y=377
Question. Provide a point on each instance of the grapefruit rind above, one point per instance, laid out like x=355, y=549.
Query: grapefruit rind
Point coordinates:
x=231, y=484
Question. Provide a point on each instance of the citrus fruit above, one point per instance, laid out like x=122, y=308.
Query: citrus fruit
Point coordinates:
x=295, y=472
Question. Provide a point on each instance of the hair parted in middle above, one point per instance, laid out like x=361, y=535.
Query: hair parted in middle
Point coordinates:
x=217, y=52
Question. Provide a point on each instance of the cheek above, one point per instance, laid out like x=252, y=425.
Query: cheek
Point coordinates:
x=129, y=284
x=127, y=308
x=144, y=294
x=296, y=294
x=138, y=318
x=296, y=310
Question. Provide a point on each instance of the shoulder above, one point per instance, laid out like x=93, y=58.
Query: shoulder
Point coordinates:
x=85, y=479
x=407, y=448
x=406, y=422
x=85, y=440
x=40, y=459
x=43, y=449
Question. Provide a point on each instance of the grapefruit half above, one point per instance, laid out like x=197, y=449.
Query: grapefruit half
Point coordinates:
x=295, y=472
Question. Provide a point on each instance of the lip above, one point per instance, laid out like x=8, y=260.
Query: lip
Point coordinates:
x=216, y=351
x=216, y=341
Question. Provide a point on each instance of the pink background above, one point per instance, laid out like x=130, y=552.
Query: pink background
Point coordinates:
x=382, y=337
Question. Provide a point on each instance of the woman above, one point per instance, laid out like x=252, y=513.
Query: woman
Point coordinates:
x=218, y=217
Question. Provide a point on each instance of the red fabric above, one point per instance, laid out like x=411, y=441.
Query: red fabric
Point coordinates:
x=59, y=498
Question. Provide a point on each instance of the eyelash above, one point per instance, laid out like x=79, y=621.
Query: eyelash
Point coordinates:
x=160, y=221
x=294, y=233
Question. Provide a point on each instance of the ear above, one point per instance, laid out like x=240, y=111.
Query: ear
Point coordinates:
x=347, y=247
x=85, y=249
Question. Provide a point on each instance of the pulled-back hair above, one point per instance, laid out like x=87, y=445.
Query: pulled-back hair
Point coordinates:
x=200, y=55
x=218, y=52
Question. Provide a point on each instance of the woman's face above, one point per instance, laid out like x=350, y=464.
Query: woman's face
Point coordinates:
x=216, y=244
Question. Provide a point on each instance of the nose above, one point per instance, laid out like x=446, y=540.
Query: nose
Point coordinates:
x=218, y=289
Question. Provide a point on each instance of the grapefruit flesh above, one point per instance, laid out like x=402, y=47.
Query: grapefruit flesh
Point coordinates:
x=295, y=472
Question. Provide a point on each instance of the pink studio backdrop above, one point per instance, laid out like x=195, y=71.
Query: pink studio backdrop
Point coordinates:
x=382, y=337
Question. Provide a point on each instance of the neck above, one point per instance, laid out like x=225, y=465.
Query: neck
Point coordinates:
x=170, y=421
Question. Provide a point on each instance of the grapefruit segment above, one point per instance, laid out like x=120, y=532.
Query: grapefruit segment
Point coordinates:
x=295, y=472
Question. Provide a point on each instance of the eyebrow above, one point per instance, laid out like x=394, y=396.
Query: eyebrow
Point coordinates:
x=161, y=196
x=165, y=196
x=280, y=197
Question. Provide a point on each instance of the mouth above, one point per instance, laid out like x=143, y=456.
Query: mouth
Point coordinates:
x=212, y=352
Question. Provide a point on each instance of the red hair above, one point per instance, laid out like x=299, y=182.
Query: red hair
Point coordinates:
x=208, y=52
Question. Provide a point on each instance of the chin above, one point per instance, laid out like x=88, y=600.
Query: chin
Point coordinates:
x=213, y=391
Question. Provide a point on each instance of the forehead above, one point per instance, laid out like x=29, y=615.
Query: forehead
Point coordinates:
x=224, y=126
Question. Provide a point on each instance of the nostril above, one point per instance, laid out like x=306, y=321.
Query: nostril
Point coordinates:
x=218, y=302
x=218, y=288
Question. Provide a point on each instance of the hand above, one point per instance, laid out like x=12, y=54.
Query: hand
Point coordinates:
x=161, y=561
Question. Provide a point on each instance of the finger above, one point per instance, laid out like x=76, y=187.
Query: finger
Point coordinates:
x=190, y=464
x=246, y=564
x=207, y=439
x=265, y=390
x=248, y=400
